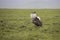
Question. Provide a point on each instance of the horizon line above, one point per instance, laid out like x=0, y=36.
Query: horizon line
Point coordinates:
x=29, y=8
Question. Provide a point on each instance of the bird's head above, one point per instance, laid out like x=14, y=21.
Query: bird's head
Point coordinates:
x=34, y=12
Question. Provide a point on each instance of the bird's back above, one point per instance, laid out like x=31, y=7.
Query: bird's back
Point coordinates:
x=37, y=22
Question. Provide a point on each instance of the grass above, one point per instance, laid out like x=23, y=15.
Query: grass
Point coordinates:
x=15, y=24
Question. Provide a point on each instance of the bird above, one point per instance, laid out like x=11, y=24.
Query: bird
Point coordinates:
x=36, y=20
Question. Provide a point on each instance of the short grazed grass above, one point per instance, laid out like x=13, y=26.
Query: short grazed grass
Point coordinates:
x=15, y=24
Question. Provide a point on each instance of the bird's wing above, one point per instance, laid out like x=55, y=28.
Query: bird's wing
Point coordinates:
x=38, y=17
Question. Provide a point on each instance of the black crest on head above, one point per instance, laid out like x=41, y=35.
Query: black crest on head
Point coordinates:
x=34, y=12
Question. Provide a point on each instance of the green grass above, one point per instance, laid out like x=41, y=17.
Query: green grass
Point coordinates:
x=15, y=24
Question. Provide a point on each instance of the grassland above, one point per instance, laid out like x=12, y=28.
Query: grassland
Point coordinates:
x=15, y=24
